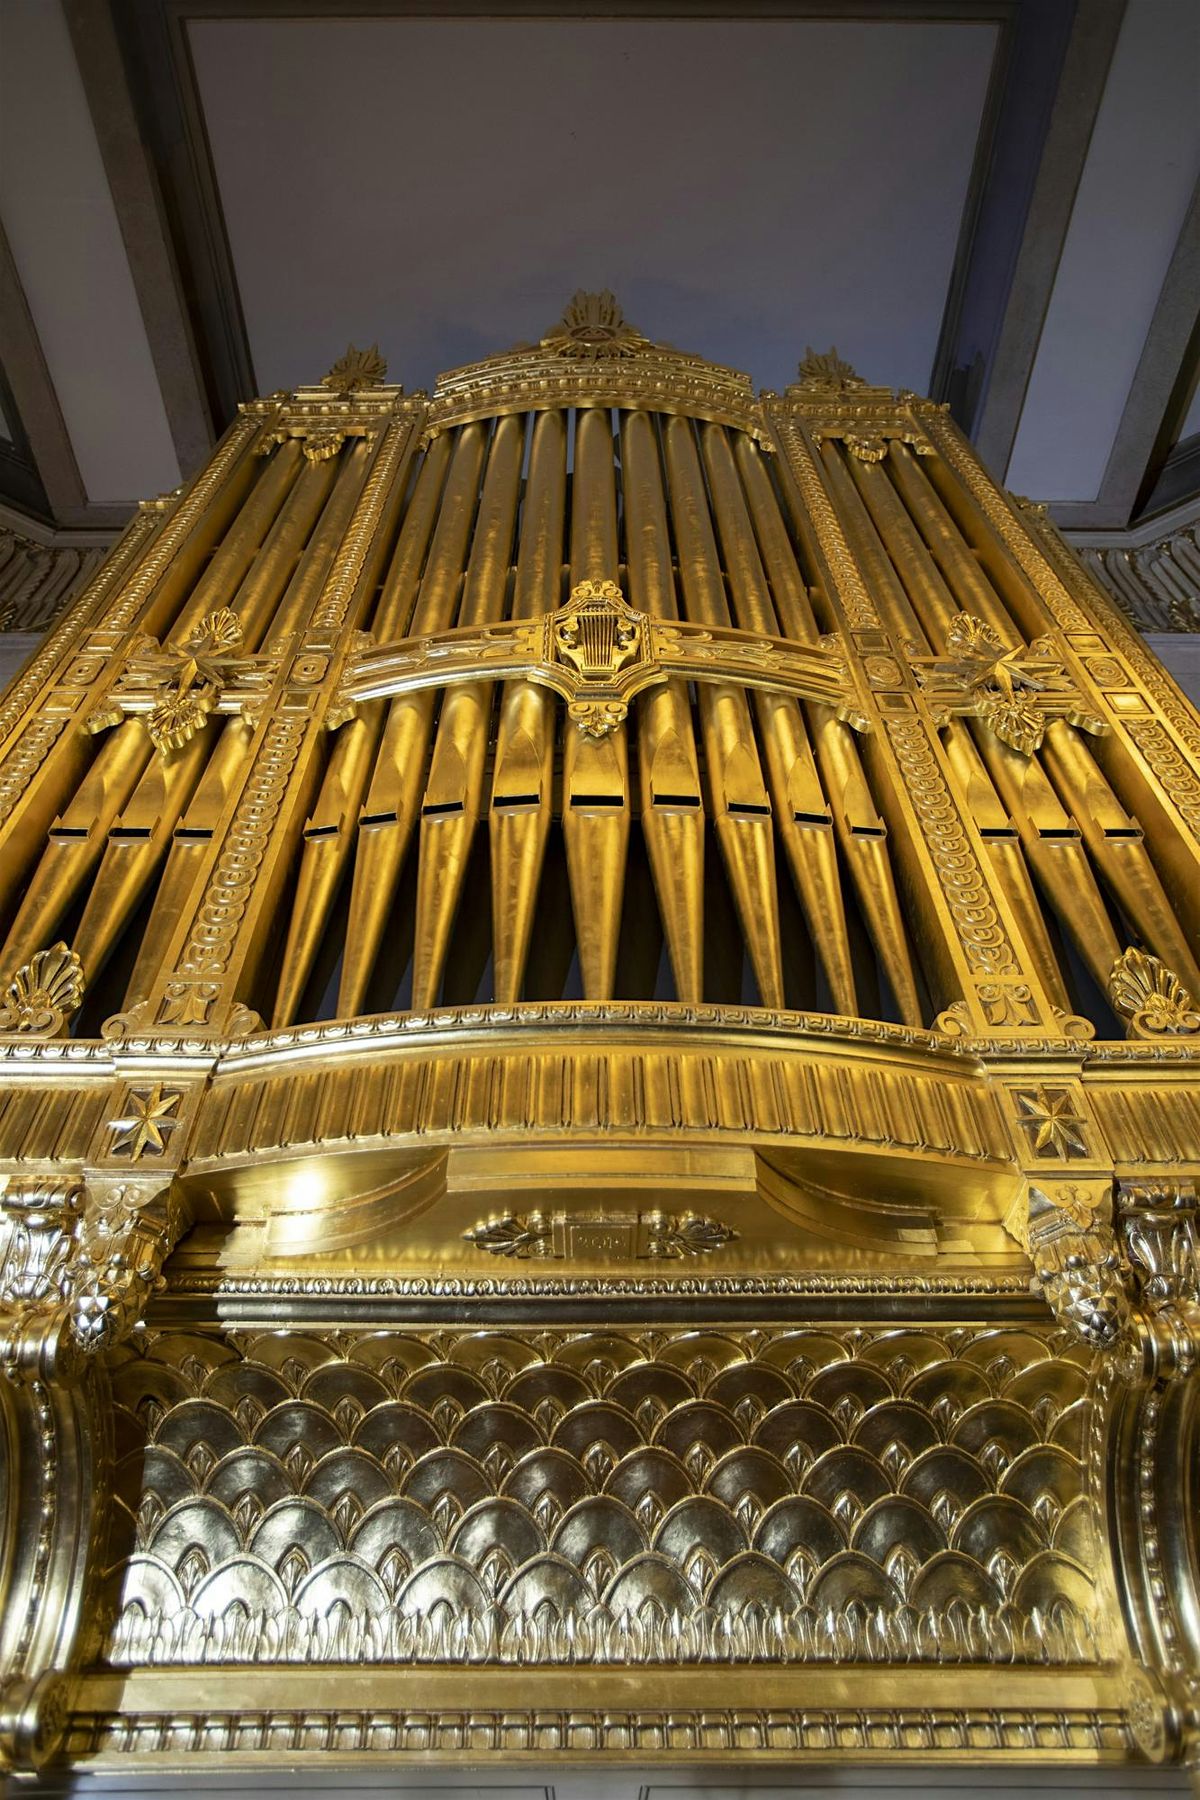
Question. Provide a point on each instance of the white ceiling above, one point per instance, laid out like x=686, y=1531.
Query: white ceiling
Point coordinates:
x=444, y=185
x=1135, y=190
x=441, y=184
x=62, y=227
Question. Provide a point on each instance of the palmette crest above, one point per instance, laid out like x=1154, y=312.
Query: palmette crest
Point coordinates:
x=1153, y=999
x=44, y=993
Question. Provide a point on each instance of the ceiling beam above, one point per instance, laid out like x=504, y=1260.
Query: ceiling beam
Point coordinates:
x=33, y=391
x=1164, y=370
x=152, y=263
x=1089, y=52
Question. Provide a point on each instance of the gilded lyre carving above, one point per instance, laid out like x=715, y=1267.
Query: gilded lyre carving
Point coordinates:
x=601, y=1109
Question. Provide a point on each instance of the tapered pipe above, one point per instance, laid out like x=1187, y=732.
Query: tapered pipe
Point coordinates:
x=966, y=581
x=313, y=568
x=454, y=791
x=522, y=802
x=330, y=834
x=671, y=798
x=740, y=806
x=196, y=553
x=596, y=813
x=328, y=841
x=1116, y=846
x=860, y=832
x=402, y=583
x=137, y=845
x=265, y=583
x=1054, y=851
x=76, y=842
x=190, y=843
x=802, y=817
x=241, y=543
x=398, y=778
x=1003, y=846
x=887, y=590
x=932, y=601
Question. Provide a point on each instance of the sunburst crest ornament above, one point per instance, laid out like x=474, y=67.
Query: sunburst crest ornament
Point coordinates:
x=356, y=369
x=827, y=370
x=593, y=325
x=43, y=993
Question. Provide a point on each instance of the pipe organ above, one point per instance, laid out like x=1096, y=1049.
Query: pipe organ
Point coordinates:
x=599, y=1004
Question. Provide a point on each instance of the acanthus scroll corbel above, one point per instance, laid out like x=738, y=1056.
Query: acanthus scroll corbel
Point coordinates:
x=78, y=1265
x=1122, y=1269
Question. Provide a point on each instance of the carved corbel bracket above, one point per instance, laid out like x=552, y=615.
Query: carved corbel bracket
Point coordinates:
x=77, y=1267
x=1073, y=1249
x=1123, y=1273
x=1160, y=1235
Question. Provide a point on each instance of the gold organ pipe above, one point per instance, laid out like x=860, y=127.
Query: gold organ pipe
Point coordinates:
x=671, y=798
x=187, y=565
x=189, y=848
x=329, y=833
x=269, y=574
x=969, y=589
x=232, y=747
x=241, y=543
x=935, y=609
x=801, y=813
x=137, y=844
x=1125, y=863
x=59, y=776
x=987, y=550
x=886, y=588
x=1005, y=854
x=1053, y=848
x=327, y=842
x=313, y=567
x=1113, y=839
x=861, y=833
x=454, y=790
x=523, y=779
x=933, y=604
x=76, y=842
x=596, y=813
x=402, y=584
x=740, y=804
x=397, y=779
x=1117, y=847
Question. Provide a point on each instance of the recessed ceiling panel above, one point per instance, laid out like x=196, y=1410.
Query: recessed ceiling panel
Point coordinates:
x=442, y=185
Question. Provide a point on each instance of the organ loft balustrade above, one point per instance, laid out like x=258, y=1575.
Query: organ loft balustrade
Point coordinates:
x=599, y=1007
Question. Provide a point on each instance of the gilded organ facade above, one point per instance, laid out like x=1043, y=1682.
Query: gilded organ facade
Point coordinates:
x=601, y=1116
